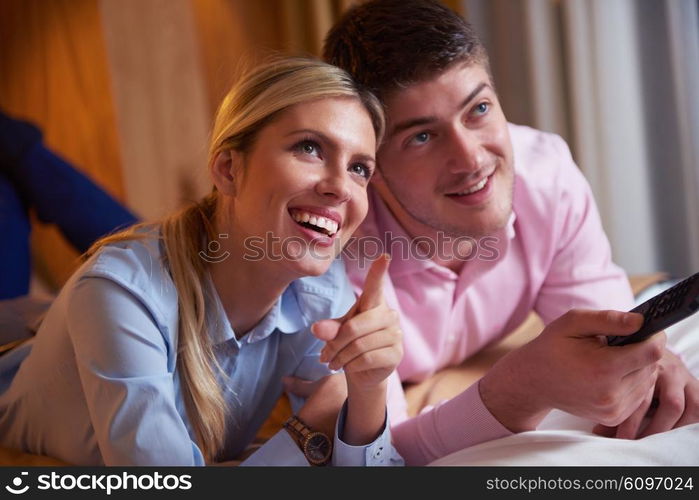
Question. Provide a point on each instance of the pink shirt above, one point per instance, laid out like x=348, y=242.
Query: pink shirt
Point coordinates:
x=552, y=256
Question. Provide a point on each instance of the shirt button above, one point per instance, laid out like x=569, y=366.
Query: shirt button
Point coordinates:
x=451, y=338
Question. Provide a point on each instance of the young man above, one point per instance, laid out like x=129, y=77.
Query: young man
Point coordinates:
x=500, y=222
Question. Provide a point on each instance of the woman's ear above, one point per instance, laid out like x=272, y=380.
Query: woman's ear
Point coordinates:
x=224, y=169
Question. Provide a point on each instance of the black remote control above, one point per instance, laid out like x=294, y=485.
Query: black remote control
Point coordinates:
x=664, y=310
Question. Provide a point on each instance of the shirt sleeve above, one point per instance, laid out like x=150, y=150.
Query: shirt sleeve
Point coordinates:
x=379, y=452
x=310, y=368
x=281, y=449
x=397, y=403
x=447, y=427
x=582, y=274
x=122, y=360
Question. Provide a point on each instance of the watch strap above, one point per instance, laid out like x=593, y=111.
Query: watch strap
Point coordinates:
x=302, y=433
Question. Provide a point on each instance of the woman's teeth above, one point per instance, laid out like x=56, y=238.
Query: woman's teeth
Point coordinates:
x=316, y=222
x=475, y=188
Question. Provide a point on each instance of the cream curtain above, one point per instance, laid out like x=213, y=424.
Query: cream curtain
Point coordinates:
x=619, y=80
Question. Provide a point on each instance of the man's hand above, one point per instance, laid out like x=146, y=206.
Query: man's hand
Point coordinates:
x=569, y=366
x=672, y=403
x=367, y=341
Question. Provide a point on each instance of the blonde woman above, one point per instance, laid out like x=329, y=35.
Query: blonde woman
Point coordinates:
x=169, y=345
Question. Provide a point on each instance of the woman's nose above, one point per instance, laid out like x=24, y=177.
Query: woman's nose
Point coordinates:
x=336, y=185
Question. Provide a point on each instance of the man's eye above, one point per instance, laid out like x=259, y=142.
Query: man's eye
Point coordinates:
x=421, y=138
x=481, y=108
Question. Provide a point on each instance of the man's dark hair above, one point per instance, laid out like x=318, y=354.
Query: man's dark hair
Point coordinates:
x=390, y=44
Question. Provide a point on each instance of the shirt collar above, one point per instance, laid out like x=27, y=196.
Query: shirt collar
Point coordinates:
x=285, y=316
x=304, y=301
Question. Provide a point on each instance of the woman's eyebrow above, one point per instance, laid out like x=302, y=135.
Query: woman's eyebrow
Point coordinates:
x=328, y=140
x=365, y=158
x=320, y=135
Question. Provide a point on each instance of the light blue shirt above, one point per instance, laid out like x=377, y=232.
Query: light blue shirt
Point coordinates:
x=99, y=383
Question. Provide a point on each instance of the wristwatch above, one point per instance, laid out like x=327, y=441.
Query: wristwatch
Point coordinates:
x=315, y=445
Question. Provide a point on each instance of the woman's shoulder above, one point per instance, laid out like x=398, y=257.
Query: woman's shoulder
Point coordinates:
x=136, y=265
x=134, y=262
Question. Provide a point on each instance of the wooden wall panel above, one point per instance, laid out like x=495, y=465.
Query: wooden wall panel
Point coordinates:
x=161, y=102
x=236, y=34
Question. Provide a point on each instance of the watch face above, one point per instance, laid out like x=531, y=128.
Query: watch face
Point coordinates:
x=318, y=448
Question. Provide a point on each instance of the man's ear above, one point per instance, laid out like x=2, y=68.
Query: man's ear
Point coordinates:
x=224, y=169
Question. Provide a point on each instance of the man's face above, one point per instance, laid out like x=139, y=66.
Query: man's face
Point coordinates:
x=447, y=163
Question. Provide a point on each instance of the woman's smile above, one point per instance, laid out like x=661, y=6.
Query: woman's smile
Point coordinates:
x=319, y=224
x=304, y=183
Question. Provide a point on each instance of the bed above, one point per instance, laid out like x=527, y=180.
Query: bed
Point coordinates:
x=560, y=440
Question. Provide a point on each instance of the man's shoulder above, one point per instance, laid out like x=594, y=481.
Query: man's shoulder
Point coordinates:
x=537, y=152
x=546, y=174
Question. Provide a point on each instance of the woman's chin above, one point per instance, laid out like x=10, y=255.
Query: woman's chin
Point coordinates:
x=310, y=266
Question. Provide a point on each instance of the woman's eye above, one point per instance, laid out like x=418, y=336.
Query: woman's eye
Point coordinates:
x=361, y=169
x=308, y=148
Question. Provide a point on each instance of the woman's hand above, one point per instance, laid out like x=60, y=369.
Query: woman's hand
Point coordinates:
x=324, y=398
x=367, y=342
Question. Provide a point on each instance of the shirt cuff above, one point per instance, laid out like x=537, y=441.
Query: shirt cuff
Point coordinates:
x=448, y=427
x=377, y=453
x=279, y=450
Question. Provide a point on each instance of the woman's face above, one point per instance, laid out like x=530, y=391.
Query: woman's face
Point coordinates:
x=303, y=187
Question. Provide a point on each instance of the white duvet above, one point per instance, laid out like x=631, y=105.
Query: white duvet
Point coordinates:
x=563, y=439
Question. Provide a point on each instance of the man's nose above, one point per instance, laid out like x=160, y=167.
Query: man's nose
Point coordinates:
x=466, y=154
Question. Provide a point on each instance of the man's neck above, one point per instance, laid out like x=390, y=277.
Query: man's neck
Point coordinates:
x=448, y=254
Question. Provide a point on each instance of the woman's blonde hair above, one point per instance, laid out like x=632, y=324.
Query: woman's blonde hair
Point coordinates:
x=256, y=99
